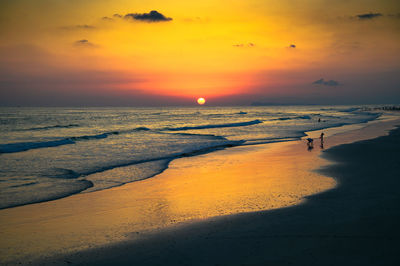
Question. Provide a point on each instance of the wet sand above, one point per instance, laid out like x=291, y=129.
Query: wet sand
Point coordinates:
x=189, y=214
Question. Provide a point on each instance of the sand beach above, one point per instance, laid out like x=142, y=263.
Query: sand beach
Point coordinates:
x=273, y=204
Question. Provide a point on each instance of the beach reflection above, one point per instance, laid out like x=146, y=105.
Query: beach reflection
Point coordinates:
x=237, y=180
x=251, y=180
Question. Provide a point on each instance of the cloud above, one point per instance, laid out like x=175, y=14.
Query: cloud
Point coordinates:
x=79, y=27
x=85, y=26
x=368, y=16
x=292, y=46
x=241, y=45
x=394, y=15
x=112, y=18
x=84, y=42
x=326, y=82
x=153, y=16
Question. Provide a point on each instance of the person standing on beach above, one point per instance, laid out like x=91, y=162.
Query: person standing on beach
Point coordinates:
x=322, y=139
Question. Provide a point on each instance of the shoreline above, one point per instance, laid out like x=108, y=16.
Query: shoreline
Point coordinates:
x=90, y=178
x=146, y=234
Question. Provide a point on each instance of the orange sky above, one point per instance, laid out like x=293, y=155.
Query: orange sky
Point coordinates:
x=229, y=51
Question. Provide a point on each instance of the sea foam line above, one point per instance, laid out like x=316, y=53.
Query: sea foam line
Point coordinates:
x=240, y=124
x=24, y=146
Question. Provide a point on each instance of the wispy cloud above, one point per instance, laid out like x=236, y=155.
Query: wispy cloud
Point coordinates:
x=242, y=45
x=107, y=18
x=326, y=82
x=78, y=27
x=368, y=16
x=112, y=18
x=394, y=15
x=84, y=43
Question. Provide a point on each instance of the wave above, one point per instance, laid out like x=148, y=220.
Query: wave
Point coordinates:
x=158, y=113
x=293, y=118
x=71, y=174
x=99, y=136
x=349, y=110
x=25, y=146
x=345, y=110
x=24, y=185
x=45, y=191
x=210, y=136
x=62, y=173
x=50, y=127
x=142, y=129
x=240, y=124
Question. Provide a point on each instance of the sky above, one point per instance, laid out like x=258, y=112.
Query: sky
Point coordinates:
x=171, y=52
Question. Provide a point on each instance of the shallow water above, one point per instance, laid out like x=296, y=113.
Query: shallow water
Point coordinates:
x=49, y=153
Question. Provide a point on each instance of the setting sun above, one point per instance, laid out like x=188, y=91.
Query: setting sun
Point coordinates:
x=201, y=101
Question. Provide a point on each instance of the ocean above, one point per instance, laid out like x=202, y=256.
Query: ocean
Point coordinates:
x=50, y=153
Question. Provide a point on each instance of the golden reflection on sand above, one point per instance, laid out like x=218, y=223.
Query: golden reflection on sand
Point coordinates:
x=236, y=180
x=241, y=179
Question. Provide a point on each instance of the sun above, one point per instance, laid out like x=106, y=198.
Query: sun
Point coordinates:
x=201, y=101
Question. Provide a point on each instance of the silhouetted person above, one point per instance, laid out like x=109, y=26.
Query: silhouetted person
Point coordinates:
x=319, y=120
x=310, y=144
x=322, y=139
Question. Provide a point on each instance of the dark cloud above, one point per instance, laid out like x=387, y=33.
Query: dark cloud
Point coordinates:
x=79, y=27
x=369, y=16
x=84, y=42
x=326, y=82
x=292, y=46
x=241, y=45
x=153, y=16
x=117, y=16
x=107, y=18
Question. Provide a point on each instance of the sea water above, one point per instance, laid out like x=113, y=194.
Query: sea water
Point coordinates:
x=50, y=153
